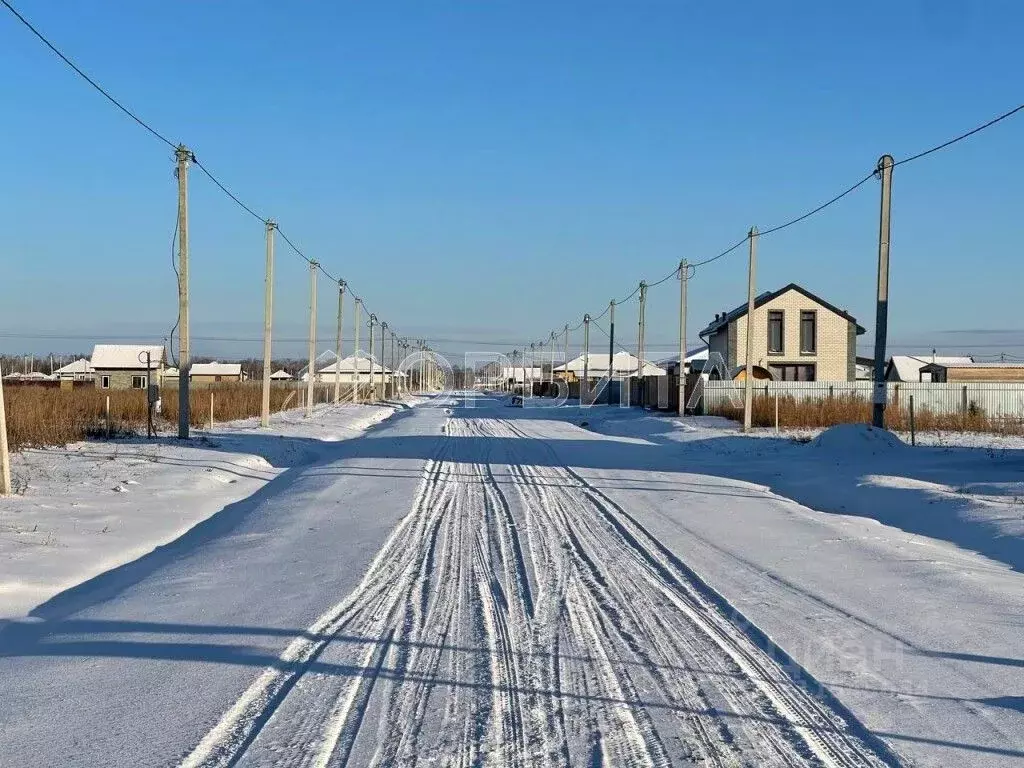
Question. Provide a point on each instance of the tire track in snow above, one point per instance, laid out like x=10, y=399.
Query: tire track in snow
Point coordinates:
x=519, y=617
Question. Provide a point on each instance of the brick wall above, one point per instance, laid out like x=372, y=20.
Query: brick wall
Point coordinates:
x=832, y=353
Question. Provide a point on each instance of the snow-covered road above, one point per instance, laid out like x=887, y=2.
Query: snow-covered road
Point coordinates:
x=460, y=586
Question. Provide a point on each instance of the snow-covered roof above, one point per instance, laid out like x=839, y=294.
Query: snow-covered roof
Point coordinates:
x=79, y=366
x=908, y=367
x=216, y=369
x=131, y=356
x=697, y=353
x=171, y=373
x=348, y=365
x=972, y=364
x=34, y=376
x=280, y=375
x=624, y=363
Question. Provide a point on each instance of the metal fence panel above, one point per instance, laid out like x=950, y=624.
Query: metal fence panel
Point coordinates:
x=1002, y=399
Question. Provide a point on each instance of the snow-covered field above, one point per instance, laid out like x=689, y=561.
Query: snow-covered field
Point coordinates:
x=517, y=587
x=89, y=507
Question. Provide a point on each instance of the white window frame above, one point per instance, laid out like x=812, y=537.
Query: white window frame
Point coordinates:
x=136, y=377
x=104, y=382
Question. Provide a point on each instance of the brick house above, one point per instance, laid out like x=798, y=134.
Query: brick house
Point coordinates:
x=797, y=336
x=123, y=366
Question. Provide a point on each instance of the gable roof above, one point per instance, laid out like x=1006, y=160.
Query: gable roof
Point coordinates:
x=597, y=365
x=280, y=375
x=79, y=366
x=767, y=296
x=349, y=365
x=127, y=356
x=908, y=367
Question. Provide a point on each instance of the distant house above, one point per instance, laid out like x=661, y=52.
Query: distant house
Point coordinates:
x=215, y=373
x=797, y=337
x=909, y=368
x=281, y=375
x=865, y=368
x=123, y=366
x=80, y=370
x=519, y=374
x=671, y=364
x=345, y=371
x=624, y=366
x=971, y=372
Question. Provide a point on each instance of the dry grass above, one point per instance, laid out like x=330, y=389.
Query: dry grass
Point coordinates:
x=846, y=409
x=39, y=416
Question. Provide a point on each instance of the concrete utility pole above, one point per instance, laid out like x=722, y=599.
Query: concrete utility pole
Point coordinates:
x=311, y=373
x=748, y=384
x=355, y=354
x=885, y=165
x=551, y=373
x=611, y=349
x=683, y=277
x=585, y=384
x=337, y=346
x=373, y=384
x=383, y=360
x=183, y=156
x=5, y=456
x=640, y=332
x=533, y=362
x=268, y=324
x=565, y=361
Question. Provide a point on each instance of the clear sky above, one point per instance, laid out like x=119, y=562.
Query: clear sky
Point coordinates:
x=491, y=170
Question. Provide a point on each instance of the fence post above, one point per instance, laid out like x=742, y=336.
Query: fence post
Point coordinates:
x=107, y=412
x=776, y=411
x=5, y=456
x=913, y=438
x=211, y=410
x=963, y=400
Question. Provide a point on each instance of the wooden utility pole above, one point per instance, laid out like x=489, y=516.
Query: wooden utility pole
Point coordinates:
x=311, y=372
x=885, y=165
x=683, y=277
x=337, y=346
x=355, y=354
x=183, y=156
x=5, y=456
x=748, y=383
x=585, y=384
x=268, y=324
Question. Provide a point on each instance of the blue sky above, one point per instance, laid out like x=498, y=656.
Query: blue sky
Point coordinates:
x=492, y=170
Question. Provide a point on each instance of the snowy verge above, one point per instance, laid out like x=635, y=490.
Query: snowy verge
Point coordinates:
x=89, y=507
x=964, y=489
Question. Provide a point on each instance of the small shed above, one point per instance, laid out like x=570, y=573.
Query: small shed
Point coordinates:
x=281, y=375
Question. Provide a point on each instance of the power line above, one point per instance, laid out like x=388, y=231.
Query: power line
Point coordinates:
x=88, y=79
x=225, y=190
x=820, y=208
x=961, y=137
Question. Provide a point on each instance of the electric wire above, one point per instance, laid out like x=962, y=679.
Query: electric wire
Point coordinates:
x=961, y=137
x=86, y=77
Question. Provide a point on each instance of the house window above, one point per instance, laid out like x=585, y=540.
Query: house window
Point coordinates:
x=138, y=382
x=216, y=378
x=793, y=372
x=808, y=331
x=775, y=332
x=104, y=382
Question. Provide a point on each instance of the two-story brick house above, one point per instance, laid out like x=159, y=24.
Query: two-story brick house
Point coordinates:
x=797, y=337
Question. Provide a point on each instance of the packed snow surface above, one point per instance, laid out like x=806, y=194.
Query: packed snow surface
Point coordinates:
x=471, y=584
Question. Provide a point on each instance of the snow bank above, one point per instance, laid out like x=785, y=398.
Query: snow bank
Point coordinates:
x=858, y=438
